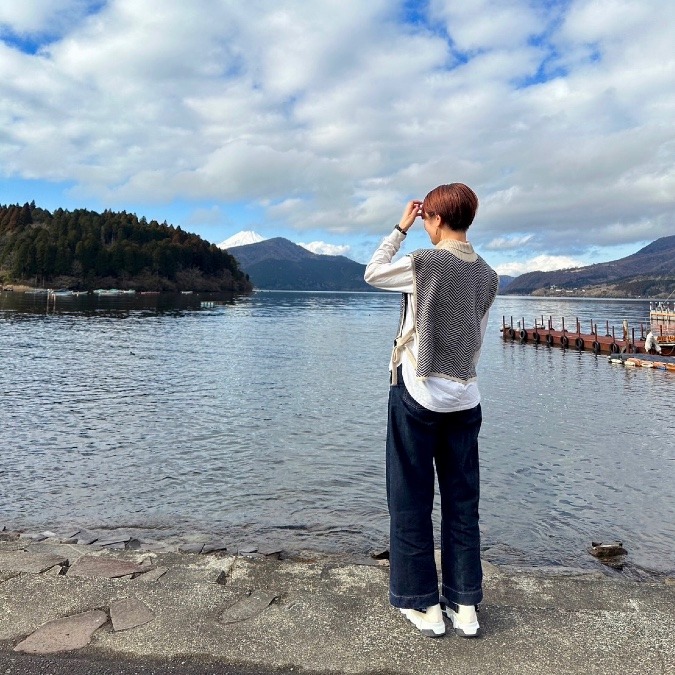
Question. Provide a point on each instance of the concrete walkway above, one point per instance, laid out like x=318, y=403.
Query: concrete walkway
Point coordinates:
x=257, y=613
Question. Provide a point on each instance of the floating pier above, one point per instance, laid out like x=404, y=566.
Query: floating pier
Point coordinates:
x=610, y=341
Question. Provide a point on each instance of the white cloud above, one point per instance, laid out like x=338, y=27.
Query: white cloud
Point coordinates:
x=488, y=24
x=508, y=243
x=540, y=263
x=40, y=16
x=322, y=248
x=329, y=116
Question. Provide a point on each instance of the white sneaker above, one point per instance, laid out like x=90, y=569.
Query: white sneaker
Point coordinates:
x=429, y=623
x=464, y=620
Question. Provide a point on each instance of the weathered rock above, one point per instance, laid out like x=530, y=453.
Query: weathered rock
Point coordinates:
x=214, y=547
x=32, y=537
x=157, y=546
x=55, y=571
x=367, y=560
x=248, y=549
x=86, y=540
x=191, y=575
x=72, y=552
x=607, y=550
x=101, y=566
x=129, y=613
x=83, y=537
x=113, y=546
x=270, y=552
x=380, y=555
x=106, y=542
x=62, y=635
x=151, y=576
x=249, y=606
x=191, y=548
x=7, y=535
x=32, y=563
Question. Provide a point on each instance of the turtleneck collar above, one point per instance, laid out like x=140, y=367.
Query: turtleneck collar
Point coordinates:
x=462, y=249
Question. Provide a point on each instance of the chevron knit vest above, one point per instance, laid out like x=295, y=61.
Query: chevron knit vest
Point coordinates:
x=452, y=296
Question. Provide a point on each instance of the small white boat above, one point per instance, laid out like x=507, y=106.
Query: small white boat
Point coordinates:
x=108, y=291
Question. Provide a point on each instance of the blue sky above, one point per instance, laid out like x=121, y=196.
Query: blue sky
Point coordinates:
x=318, y=121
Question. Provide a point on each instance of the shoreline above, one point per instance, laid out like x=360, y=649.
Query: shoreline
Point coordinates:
x=125, y=539
x=22, y=288
x=163, y=613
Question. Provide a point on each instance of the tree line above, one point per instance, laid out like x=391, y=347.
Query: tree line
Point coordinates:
x=83, y=249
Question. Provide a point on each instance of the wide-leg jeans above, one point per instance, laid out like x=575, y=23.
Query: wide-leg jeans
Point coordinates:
x=416, y=439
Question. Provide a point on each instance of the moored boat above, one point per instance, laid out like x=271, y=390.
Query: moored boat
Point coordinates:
x=662, y=322
x=655, y=362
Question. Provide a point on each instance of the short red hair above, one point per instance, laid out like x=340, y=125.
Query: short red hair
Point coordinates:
x=455, y=203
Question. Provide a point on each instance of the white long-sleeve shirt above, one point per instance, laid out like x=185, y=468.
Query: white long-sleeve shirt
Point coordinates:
x=434, y=393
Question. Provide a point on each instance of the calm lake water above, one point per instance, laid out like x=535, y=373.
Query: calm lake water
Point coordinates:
x=262, y=421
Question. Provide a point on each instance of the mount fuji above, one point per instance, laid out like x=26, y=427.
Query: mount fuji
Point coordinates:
x=243, y=238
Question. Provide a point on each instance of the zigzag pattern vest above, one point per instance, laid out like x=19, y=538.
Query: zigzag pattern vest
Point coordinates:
x=452, y=296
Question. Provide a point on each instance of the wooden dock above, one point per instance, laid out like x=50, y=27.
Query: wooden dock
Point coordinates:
x=607, y=341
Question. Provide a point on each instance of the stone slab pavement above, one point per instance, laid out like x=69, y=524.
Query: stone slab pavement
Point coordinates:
x=240, y=614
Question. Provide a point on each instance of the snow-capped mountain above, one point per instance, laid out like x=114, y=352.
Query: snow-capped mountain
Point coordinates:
x=241, y=239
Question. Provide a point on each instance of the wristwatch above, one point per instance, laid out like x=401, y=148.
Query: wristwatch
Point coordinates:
x=398, y=227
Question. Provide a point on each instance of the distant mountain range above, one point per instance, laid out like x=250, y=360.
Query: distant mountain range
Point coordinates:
x=648, y=273
x=504, y=281
x=279, y=264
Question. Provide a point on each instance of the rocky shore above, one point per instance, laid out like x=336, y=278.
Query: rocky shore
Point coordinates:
x=65, y=602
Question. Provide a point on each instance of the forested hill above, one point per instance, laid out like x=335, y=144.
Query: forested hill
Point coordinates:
x=83, y=249
x=279, y=264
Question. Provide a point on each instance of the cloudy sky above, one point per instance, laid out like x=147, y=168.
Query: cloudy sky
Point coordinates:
x=317, y=120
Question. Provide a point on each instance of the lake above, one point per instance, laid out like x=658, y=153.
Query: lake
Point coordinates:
x=261, y=420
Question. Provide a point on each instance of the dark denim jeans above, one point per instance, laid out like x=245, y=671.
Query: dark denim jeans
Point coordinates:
x=416, y=438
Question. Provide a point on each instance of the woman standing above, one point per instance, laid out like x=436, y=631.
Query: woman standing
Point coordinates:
x=434, y=410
